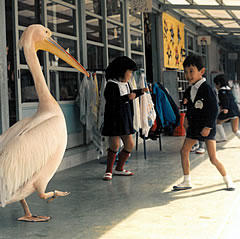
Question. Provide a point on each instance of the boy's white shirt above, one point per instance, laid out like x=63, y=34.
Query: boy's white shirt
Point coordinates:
x=195, y=87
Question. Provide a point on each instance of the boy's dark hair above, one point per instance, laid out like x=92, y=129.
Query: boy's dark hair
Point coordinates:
x=220, y=80
x=193, y=60
x=117, y=68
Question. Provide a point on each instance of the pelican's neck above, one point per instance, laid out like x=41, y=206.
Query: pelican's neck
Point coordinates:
x=45, y=98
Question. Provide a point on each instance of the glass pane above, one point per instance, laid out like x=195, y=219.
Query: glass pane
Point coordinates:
x=114, y=10
x=94, y=29
x=67, y=82
x=112, y=54
x=135, y=19
x=139, y=59
x=61, y=18
x=22, y=57
x=190, y=42
x=115, y=34
x=93, y=6
x=136, y=41
x=28, y=91
x=29, y=12
x=69, y=45
x=95, y=57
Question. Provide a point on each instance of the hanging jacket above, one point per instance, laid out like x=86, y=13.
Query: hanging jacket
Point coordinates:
x=163, y=107
x=173, y=104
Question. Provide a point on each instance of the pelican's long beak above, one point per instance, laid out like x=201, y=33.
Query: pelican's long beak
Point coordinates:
x=53, y=47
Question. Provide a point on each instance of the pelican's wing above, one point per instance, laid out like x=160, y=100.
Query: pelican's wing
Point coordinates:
x=25, y=154
x=13, y=131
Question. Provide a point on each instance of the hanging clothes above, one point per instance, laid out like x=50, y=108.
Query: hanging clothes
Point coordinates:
x=163, y=107
x=83, y=100
x=172, y=103
x=147, y=111
x=136, y=107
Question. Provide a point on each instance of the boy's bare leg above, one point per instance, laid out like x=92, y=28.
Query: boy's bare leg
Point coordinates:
x=211, y=148
x=186, y=184
x=186, y=148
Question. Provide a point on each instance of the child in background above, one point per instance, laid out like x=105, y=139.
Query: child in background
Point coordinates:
x=228, y=108
x=202, y=111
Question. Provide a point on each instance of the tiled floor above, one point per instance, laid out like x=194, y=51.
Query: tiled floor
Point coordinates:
x=141, y=206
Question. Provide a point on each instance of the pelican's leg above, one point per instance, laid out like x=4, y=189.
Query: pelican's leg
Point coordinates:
x=53, y=195
x=28, y=217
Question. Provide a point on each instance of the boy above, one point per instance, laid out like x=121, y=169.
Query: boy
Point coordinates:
x=201, y=115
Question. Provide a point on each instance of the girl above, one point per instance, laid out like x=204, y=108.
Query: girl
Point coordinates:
x=228, y=108
x=118, y=115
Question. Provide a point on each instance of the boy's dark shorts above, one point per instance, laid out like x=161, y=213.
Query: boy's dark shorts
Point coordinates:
x=195, y=134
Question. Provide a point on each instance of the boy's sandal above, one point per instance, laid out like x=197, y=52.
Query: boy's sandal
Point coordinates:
x=123, y=173
x=107, y=176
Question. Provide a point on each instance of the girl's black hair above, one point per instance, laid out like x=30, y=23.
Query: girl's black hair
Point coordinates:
x=117, y=68
x=193, y=60
x=220, y=80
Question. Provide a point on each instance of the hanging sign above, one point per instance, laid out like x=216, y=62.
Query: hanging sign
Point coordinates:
x=173, y=42
x=204, y=40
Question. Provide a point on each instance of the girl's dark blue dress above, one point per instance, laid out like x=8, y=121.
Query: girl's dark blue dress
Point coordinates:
x=118, y=114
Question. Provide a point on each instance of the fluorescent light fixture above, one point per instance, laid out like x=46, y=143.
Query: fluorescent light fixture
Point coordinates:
x=232, y=2
x=179, y=2
x=229, y=24
x=207, y=23
x=219, y=14
x=206, y=2
x=194, y=13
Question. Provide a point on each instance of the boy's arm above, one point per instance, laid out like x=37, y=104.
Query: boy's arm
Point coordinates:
x=211, y=107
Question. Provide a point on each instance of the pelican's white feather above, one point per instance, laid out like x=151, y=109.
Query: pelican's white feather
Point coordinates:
x=31, y=156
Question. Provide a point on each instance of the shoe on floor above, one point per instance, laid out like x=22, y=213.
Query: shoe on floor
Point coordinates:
x=182, y=186
x=230, y=186
x=221, y=141
x=200, y=151
x=194, y=147
x=238, y=134
x=107, y=176
x=123, y=173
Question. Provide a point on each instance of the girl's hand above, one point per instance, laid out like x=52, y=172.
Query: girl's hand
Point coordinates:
x=225, y=111
x=205, y=131
x=145, y=90
x=185, y=101
x=132, y=96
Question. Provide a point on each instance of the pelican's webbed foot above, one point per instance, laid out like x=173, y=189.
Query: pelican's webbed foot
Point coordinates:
x=34, y=218
x=56, y=194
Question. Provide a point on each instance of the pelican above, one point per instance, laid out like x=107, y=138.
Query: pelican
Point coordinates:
x=33, y=148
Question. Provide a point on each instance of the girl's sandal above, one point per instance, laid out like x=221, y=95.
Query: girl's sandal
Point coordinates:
x=107, y=176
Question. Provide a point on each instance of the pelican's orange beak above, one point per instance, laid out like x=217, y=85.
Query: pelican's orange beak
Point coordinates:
x=53, y=47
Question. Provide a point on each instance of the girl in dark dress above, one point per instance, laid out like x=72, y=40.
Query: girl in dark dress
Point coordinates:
x=118, y=114
x=228, y=107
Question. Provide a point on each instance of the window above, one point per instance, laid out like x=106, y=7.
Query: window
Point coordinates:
x=94, y=28
x=61, y=18
x=112, y=54
x=95, y=56
x=93, y=6
x=114, y=10
x=29, y=12
x=64, y=85
x=115, y=34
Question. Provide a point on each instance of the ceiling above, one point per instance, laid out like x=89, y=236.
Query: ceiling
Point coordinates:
x=219, y=18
